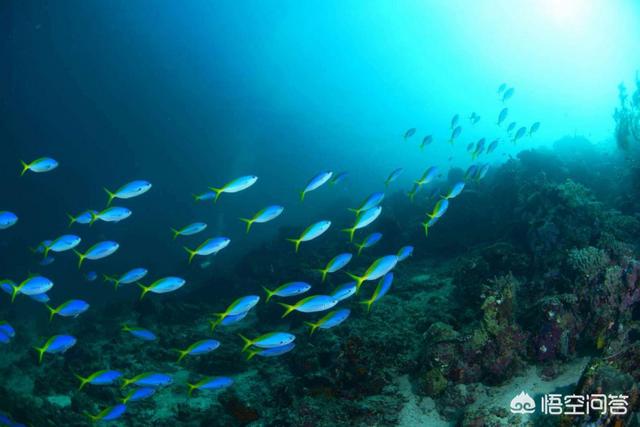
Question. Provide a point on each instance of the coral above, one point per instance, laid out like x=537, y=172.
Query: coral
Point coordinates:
x=587, y=262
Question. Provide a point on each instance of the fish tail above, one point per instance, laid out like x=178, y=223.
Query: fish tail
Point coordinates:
x=360, y=247
x=351, y=231
x=14, y=292
x=313, y=327
x=269, y=293
x=52, y=312
x=94, y=218
x=107, y=278
x=214, y=323
x=83, y=381
x=247, y=342
x=126, y=382
x=40, y=353
x=182, y=355
x=359, y=280
x=368, y=303
x=191, y=253
x=191, y=388
x=80, y=258
x=248, y=221
x=354, y=210
x=411, y=195
x=296, y=242
x=218, y=192
x=72, y=219
x=251, y=354
x=302, y=193
x=426, y=228
x=196, y=198
x=125, y=327
x=175, y=232
x=145, y=289
x=25, y=167
x=110, y=194
x=288, y=308
x=93, y=418
x=33, y=250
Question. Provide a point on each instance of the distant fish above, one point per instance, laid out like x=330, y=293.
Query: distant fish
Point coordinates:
x=393, y=176
x=111, y=214
x=140, y=333
x=373, y=200
x=438, y=210
x=470, y=172
x=232, y=319
x=189, y=230
x=427, y=176
x=130, y=276
x=43, y=164
x=333, y=318
x=511, y=127
x=209, y=195
x=454, y=121
x=368, y=241
x=98, y=251
x=41, y=298
x=381, y=290
x=455, y=190
x=404, y=253
x=502, y=87
x=337, y=179
x=470, y=147
x=33, y=285
x=57, y=344
x=479, y=148
x=474, y=118
x=503, y=115
x=263, y=215
x=482, y=172
x=271, y=352
x=210, y=383
x=519, y=134
x=344, y=291
x=235, y=186
x=311, y=232
x=162, y=286
x=270, y=340
x=66, y=242
x=377, y=269
x=71, y=308
x=7, y=330
x=414, y=190
x=335, y=264
x=534, y=128
x=129, y=190
x=48, y=260
x=492, y=147
x=138, y=394
x=7, y=219
x=208, y=247
x=198, y=348
x=310, y=304
x=409, y=133
x=316, y=182
x=109, y=414
x=82, y=218
x=149, y=379
x=240, y=307
x=104, y=377
x=287, y=290
x=362, y=220
x=426, y=141
x=508, y=94
x=454, y=134
x=91, y=276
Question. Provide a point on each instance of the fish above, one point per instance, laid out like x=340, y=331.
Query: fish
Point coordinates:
x=316, y=182
x=454, y=134
x=393, y=176
x=263, y=215
x=91, y=276
x=409, y=133
x=7, y=329
x=271, y=352
x=427, y=176
x=311, y=232
x=71, y=308
x=131, y=276
x=57, y=344
x=33, y=285
x=337, y=179
x=474, y=118
x=43, y=164
x=414, y=190
x=240, y=306
x=7, y=219
x=7, y=286
x=438, y=210
x=287, y=290
x=426, y=141
x=140, y=333
x=369, y=241
x=310, y=304
x=138, y=394
x=82, y=218
x=455, y=190
x=105, y=377
x=520, y=133
x=209, y=195
x=479, y=148
x=235, y=186
x=503, y=115
x=534, y=128
x=129, y=190
x=470, y=147
x=149, y=379
x=404, y=253
x=111, y=214
x=108, y=414
x=381, y=290
x=454, y=121
x=377, y=269
x=492, y=146
x=208, y=247
x=508, y=94
x=373, y=200
x=41, y=247
x=234, y=318
x=98, y=251
x=502, y=87
x=333, y=318
x=4, y=339
x=482, y=172
x=511, y=127
x=344, y=291
x=162, y=286
x=66, y=242
x=42, y=298
x=46, y=261
x=210, y=383
x=335, y=264
x=198, y=348
x=362, y=220
x=470, y=172
x=269, y=340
